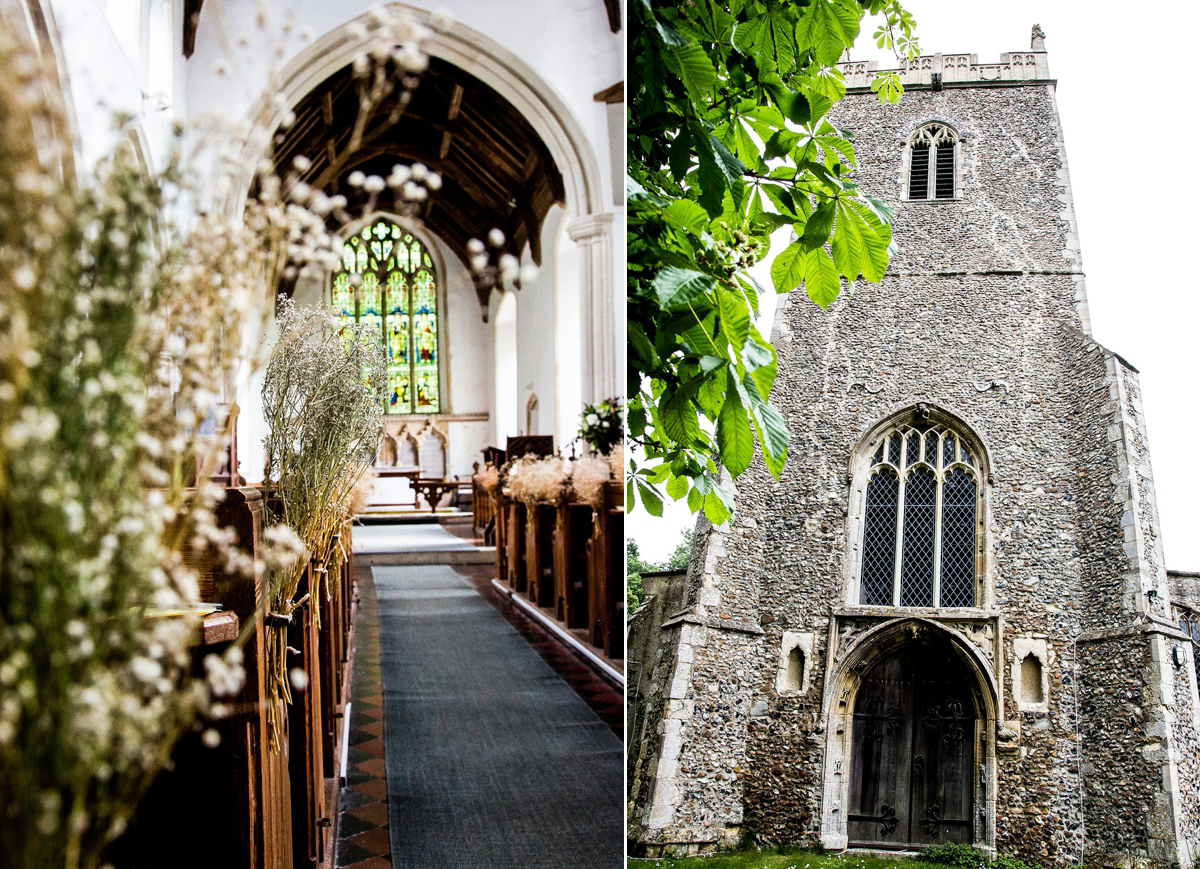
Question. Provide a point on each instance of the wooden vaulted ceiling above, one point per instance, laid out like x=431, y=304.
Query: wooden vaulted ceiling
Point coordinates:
x=496, y=172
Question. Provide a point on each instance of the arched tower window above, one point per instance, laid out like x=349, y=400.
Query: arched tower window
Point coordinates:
x=933, y=155
x=920, y=520
x=397, y=292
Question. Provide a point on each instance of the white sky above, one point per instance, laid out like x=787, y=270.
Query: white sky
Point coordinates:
x=1126, y=110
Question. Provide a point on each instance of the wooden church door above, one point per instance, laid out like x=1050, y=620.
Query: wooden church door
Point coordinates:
x=912, y=751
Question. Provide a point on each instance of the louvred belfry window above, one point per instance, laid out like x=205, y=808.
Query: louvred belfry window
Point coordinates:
x=932, y=162
x=920, y=520
x=397, y=292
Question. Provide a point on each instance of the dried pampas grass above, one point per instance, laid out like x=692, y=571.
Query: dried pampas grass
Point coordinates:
x=360, y=496
x=488, y=479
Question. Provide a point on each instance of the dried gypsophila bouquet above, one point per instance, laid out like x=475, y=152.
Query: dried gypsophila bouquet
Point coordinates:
x=118, y=331
x=323, y=399
x=588, y=476
x=94, y=675
x=538, y=479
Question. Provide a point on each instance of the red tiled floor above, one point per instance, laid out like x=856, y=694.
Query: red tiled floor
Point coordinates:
x=376, y=789
x=372, y=863
x=365, y=801
x=375, y=841
x=375, y=766
x=372, y=813
x=373, y=747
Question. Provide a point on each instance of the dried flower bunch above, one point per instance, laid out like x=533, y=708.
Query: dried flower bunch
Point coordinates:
x=602, y=425
x=538, y=479
x=488, y=478
x=493, y=268
x=323, y=401
x=118, y=330
x=588, y=476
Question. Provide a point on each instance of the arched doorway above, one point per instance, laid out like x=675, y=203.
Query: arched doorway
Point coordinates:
x=914, y=746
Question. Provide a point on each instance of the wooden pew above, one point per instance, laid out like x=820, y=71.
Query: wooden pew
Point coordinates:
x=606, y=573
x=572, y=530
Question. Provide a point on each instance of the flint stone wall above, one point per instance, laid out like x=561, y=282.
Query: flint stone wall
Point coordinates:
x=982, y=316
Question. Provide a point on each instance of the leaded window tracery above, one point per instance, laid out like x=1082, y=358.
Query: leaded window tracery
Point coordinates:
x=397, y=292
x=1189, y=623
x=932, y=161
x=921, y=520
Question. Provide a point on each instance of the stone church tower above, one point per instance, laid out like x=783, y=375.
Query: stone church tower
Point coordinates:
x=950, y=620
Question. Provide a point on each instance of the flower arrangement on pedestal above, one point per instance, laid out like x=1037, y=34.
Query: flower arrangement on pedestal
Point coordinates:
x=602, y=425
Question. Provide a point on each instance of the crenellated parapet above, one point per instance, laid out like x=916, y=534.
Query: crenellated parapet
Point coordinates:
x=947, y=70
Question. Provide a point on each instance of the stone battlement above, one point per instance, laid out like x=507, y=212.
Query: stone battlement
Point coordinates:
x=939, y=70
x=1015, y=67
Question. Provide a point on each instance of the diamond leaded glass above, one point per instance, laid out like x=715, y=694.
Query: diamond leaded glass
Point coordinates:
x=948, y=451
x=397, y=292
x=958, y=540
x=940, y=503
x=916, y=562
x=913, y=449
x=879, y=539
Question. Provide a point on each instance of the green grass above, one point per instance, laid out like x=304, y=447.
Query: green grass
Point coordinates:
x=784, y=858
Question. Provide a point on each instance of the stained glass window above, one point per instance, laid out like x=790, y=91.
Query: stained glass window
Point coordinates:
x=923, y=497
x=397, y=292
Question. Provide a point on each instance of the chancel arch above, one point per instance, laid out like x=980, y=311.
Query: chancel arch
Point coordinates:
x=512, y=155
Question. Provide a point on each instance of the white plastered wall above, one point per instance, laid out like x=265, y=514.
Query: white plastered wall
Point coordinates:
x=550, y=72
x=466, y=386
x=138, y=73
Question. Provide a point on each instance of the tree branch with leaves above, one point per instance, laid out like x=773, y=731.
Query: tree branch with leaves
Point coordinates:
x=729, y=140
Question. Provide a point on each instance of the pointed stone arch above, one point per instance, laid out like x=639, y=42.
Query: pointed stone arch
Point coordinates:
x=859, y=473
x=844, y=680
x=468, y=49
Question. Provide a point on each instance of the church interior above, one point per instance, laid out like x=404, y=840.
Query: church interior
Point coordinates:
x=365, y=263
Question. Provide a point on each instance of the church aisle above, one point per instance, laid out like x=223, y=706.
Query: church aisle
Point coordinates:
x=493, y=760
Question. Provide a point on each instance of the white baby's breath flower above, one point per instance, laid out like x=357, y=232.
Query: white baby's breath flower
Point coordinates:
x=356, y=178
x=411, y=57
x=496, y=238
x=374, y=184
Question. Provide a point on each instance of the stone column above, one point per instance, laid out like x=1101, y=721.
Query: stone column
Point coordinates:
x=597, y=307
